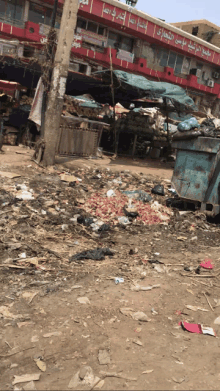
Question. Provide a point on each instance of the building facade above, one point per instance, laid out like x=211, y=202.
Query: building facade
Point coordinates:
x=203, y=29
x=109, y=30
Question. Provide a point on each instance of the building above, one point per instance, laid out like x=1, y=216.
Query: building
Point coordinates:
x=135, y=41
x=203, y=29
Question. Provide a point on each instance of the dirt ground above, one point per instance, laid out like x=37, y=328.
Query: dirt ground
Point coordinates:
x=41, y=318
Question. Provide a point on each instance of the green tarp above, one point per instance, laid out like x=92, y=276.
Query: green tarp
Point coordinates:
x=142, y=87
x=87, y=102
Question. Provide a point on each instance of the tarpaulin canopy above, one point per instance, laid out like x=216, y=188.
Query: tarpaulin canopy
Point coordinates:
x=142, y=87
x=85, y=101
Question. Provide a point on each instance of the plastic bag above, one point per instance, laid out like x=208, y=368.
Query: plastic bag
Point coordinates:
x=159, y=190
x=96, y=255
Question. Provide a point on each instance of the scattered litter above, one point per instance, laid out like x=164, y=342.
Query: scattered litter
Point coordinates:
x=138, y=288
x=104, y=357
x=138, y=330
x=83, y=300
x=41, y=365
x=159, y=190
x=147, y=372
x=123, y=221
x=29, y=386
x=139, y=195
x=10, y=175
x=25, y=378
x=69, y=178
x=194, y=308
x=207, y=264
x=141, y=316
x=179, y=381
x=5, y=313
x=182, y=238
x=119, y=280
x=84, y=377
x=137, y=342
x=217, y=302
x=217, y=321
x=111, y=193
x=96, y=255
x=35, y=338
x=198, y=329
x=53, y=334
x=159, y=269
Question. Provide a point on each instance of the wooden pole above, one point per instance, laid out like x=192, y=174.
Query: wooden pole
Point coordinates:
x=113, y=102
x=134, y=146
x=59, y=79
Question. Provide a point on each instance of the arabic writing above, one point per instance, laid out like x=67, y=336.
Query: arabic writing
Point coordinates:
x=169, y=36
x=182, y=42
x=84, y=2
x=110, y=12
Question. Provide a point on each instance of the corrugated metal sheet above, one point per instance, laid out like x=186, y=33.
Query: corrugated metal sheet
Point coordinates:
x=79, y=137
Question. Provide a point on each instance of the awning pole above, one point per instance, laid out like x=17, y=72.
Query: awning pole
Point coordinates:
x=113, y=102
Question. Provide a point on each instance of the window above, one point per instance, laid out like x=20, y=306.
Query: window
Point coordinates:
x=92, y=27
x=163, y=56
x=101, y=30
x=179, y=63
x=170, y=59
x=199, y=65
x=195, y=30
x=39, y=14
x=186, y=65
x=12, y=9
x=126, y=44
x=81, y=23
x=117, y=41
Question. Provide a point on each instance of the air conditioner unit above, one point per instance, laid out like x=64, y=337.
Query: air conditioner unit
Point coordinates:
x=205, y=76
x=196, y=72
x=215, y=75
x=210, y=83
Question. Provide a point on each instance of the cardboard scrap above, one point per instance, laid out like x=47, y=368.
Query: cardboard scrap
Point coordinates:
x=41, y=365
x=26, y=378
x=69, y=178
x=9, y=175
x=5, y=313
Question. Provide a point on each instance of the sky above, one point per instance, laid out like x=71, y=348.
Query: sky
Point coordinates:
x=181, y=11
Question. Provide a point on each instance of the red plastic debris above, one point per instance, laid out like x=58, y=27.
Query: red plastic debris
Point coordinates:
x=207, y=264
x=192, y=328
x=198, y=329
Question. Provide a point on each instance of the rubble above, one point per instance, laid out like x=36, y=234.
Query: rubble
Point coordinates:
x=75, y=307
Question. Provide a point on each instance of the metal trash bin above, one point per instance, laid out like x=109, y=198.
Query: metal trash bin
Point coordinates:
x=196, y=175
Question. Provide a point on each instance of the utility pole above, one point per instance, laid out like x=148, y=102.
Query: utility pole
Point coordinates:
x=59, y=79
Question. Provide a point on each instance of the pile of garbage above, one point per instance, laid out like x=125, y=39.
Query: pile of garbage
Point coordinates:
x=149, y=121
x=193, y=128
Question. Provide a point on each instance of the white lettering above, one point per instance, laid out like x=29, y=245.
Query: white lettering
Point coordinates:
x=84, y=2
x=168, y=36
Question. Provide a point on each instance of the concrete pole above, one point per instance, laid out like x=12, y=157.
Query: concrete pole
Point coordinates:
x=59, y=79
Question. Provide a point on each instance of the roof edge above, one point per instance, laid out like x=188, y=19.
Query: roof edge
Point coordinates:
x=162, y=24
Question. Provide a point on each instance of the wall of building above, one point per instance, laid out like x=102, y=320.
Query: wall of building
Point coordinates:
x=203, y=28
x=150, y=39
